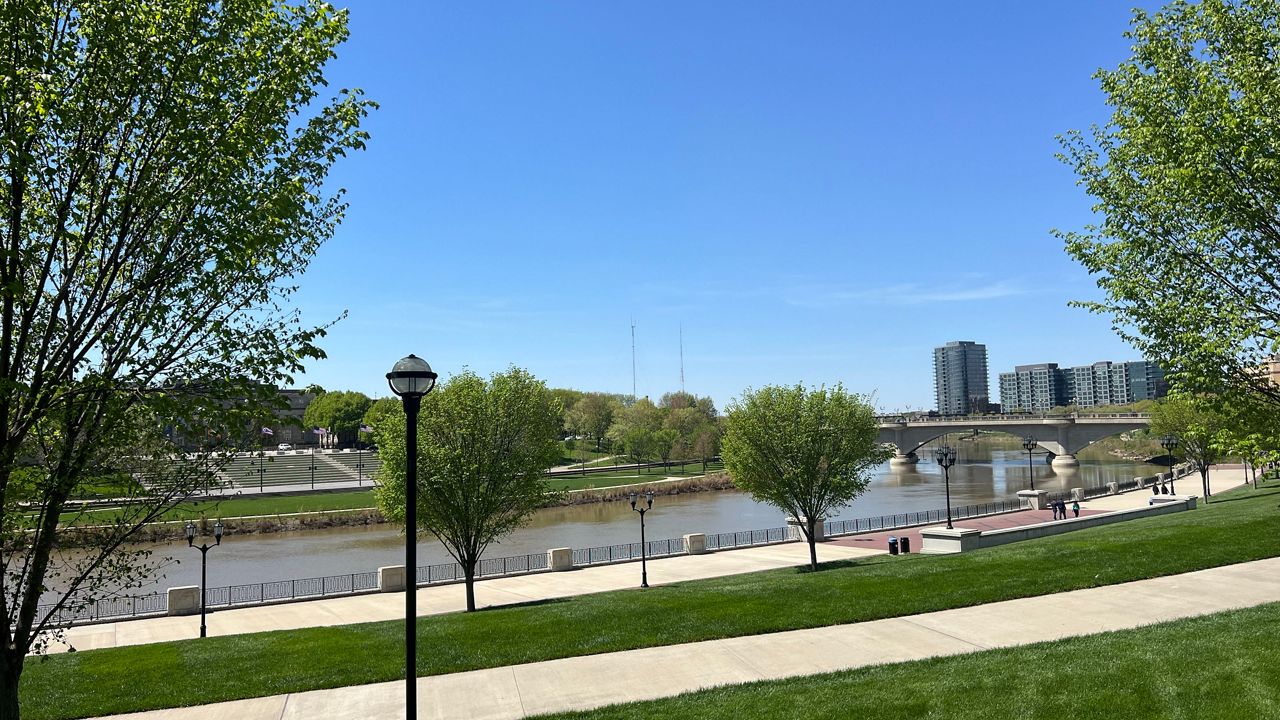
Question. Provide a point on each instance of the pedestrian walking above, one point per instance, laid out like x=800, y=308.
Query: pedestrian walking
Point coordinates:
x=1075, y=507
x=1053, y=505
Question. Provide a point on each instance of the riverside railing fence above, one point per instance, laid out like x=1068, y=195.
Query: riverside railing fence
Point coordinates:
x=443, y=573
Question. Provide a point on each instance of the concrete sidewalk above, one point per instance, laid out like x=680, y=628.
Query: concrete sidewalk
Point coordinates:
x=586, y=682
x=344, y=610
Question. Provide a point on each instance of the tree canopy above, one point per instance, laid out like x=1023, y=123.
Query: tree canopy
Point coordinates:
x=341, y=412
x=1186, y=179
x=162, y=186
x=806, y=452
x=482, y=448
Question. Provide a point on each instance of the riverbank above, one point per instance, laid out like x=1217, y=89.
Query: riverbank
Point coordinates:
x=242, y=521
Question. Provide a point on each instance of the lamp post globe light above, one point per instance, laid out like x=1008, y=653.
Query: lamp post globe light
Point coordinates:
x=1029, y=444
x=1170, y=443
x=946, y=457
x=204, y=558
x=410, y=379
x=644, y=570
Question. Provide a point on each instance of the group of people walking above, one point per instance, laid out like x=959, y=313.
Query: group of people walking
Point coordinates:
x=1059, y=508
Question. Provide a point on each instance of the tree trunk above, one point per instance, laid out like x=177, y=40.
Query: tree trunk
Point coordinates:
x=470, y=572
x=813, y=545
x=1204, y=481
x=10, y=672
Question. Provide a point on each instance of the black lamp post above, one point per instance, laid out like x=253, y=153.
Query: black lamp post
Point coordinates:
x=410, y=379
x=204, y=558
x=644, y=570
x=1170, y=443
x=946, y=457
x=1029, y=444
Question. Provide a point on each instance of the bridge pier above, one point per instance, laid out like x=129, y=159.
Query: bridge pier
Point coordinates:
x=901, y=459
x=1065, y=461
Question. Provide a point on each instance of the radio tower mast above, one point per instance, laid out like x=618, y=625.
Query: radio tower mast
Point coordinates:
x=633, y=361
x=682, y=358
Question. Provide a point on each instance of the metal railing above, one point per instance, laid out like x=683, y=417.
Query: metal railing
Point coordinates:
x=924, y=517
x=110, y=607
x=604, y=554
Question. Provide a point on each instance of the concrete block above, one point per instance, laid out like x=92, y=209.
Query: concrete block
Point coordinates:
x=941, y=540
x=560, y=559
x=184, y=600
x=695, y=543
x=1113, y=488
x=819, y=528
x=391, y=578
x=1034, y=499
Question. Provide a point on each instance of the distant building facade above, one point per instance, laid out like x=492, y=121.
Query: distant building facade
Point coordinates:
x=1038, y=388
x=960, y=378
x=1032, y=388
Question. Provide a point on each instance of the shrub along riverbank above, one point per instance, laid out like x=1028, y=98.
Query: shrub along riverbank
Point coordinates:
x=224, y=668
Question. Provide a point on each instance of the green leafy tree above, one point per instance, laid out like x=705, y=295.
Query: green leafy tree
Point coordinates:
x=593, y=415
x=383, y=408
x=806, y=452
x=483, y=447
x=162, y=186
x=706, y=444
x=1200, y=427
x=640, y=444
x=1185, y=178
x=342, y=412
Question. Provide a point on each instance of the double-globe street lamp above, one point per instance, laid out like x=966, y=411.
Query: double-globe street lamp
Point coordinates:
x=1170, y=443
x=1029, y=444
x=644, y=570
x=204, y=561
x=946, y=457
x=410, y=379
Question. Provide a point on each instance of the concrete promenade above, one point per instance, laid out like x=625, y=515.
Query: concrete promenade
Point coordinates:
x=343, y=610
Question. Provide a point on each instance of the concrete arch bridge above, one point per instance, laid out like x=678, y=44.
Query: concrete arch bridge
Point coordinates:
x=1064, y=436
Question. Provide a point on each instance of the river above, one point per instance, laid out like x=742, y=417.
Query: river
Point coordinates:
x=987, y=469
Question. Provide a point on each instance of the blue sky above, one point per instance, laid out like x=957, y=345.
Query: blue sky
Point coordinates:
x=817, y=192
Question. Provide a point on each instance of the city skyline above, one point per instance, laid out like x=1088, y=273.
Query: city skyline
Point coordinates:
x=817, y=194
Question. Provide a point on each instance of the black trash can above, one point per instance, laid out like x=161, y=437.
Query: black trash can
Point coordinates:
x=893, y=545
x=904, y=544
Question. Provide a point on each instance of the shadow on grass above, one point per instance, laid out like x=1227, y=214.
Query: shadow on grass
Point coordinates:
x=847, y=563
x=1264, y=492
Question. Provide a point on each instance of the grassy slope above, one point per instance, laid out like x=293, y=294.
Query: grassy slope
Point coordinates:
x=244, y=507
x=1240, y=526
x=1216, y=667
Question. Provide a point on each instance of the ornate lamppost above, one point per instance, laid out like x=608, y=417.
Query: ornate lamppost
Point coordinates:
x=411, y=379
x=1029, y=444
x=644, y=570
x=1170, y=443
x=946, y=457
x=204, y=558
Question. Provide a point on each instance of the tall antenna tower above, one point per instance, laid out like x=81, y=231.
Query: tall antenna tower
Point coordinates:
x=633, y=360
x=682, y=358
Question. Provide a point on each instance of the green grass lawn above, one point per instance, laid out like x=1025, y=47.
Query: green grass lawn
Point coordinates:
x=1239, y=526
x=629, y=477
x=1218, y=667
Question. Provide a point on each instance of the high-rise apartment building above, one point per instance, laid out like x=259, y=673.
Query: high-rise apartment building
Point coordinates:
x=1032, y=388
x=960, y=377
x=1037, y=388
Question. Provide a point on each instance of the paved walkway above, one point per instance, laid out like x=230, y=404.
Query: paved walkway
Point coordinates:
x=439, y=599
x=586, y=682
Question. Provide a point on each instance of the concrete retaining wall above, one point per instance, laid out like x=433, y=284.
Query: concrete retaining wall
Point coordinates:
x=941, y=540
